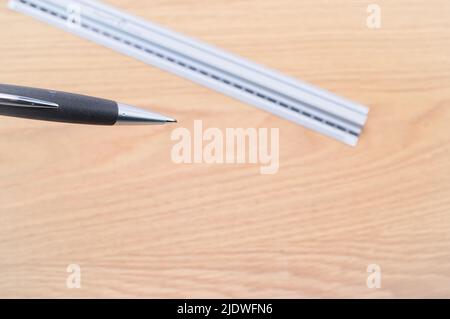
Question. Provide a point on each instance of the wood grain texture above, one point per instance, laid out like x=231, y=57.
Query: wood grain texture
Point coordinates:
x=112, y=201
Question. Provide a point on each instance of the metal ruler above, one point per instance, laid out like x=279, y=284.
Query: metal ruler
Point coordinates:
x=244, y=80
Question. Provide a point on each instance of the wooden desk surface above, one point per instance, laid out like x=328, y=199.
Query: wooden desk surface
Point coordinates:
x=112, y=201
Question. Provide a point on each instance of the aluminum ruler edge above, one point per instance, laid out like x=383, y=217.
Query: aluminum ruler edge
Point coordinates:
x=224, y=55
x=344, y=122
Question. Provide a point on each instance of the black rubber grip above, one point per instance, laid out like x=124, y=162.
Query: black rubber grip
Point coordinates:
x=72, y=108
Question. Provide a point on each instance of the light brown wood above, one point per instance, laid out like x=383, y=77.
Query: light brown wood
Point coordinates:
x=112, y=201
